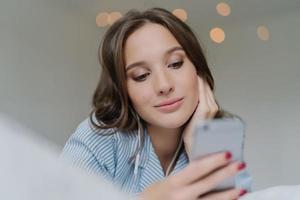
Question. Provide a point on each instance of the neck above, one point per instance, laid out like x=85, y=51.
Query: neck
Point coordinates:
x=165, y=143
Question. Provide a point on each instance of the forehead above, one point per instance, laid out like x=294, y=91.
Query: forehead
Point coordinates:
x=149, y=41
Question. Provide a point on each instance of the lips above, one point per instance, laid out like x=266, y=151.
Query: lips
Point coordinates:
x=169, y=102
x=170, y=105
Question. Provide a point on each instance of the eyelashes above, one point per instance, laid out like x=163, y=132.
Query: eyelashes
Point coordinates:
x=143, y=77
x=176, y=65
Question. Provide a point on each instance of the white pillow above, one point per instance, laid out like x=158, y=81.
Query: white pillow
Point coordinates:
x=275, y=193
x=30, y=170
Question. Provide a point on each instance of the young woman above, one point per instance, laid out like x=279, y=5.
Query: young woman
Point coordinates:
x=154, y=87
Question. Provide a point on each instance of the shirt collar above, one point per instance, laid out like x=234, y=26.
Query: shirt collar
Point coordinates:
x=152, y=170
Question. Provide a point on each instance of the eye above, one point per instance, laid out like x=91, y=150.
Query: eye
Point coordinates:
x=141, y=77
x=176, y=65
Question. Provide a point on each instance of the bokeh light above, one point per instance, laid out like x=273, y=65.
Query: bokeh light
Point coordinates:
x=181, y=14
x=114, y=16
x=217, y=35
x=102, y=19
x=263, y=33
x=223, y=9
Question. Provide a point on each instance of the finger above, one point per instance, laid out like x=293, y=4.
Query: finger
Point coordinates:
x=224, y=195
x=203, y=108
x=200, y=168
x=211, y=181
x=211, y=97
x=211, y=102
x=202, y=93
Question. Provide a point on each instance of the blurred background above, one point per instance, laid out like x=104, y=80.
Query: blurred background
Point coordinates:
x=49, y=68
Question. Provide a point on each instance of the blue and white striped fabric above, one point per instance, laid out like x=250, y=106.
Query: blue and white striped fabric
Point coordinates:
x=109, y=156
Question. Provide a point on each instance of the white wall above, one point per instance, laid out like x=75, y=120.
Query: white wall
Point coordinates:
x=260, y=82
x=48, y=64
x=49, y=69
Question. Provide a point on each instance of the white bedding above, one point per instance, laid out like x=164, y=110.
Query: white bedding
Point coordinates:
x=275, y=193
x=30, y=170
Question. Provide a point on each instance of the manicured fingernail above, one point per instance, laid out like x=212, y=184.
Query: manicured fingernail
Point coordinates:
x=228, y=155
x=241, y=166
x=242, y=192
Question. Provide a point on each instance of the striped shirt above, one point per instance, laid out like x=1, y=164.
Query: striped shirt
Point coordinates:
x=109, y=155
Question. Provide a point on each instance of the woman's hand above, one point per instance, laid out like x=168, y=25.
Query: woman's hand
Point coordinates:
x=197, y=180
x=206, y=109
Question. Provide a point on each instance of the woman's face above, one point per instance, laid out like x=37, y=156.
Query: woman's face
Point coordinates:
x=161, y=80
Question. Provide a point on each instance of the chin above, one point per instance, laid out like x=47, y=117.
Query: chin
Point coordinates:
x=172, y=122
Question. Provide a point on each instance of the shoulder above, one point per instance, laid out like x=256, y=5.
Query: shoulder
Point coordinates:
x=92, y=136
x=99, y=142
x=92, y=149
x=104, y=144
x=103, y=151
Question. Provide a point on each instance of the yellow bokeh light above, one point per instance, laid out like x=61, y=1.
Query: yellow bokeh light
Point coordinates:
x=114, y=16
x=181, y=14
x=223, y=9
x=102, y=19
x=217, y=35
x=263, y=33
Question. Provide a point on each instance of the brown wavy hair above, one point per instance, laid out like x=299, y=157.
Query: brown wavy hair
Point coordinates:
x=111, y=104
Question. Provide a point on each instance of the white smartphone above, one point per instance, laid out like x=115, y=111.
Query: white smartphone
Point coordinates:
x=219, y=135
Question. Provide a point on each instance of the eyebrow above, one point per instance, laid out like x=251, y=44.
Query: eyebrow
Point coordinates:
x=171, y=50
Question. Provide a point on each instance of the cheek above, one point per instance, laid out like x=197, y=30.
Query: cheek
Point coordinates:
x=189, y=80
x=189, y=83
x=194, y=86
x=194, y=90
x=139, y=96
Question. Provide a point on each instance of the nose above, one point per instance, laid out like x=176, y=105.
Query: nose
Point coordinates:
x=163, y=83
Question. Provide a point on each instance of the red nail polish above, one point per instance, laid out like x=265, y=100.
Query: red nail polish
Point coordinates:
x=241, y=166
x=242, y=192
x=228, y=155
